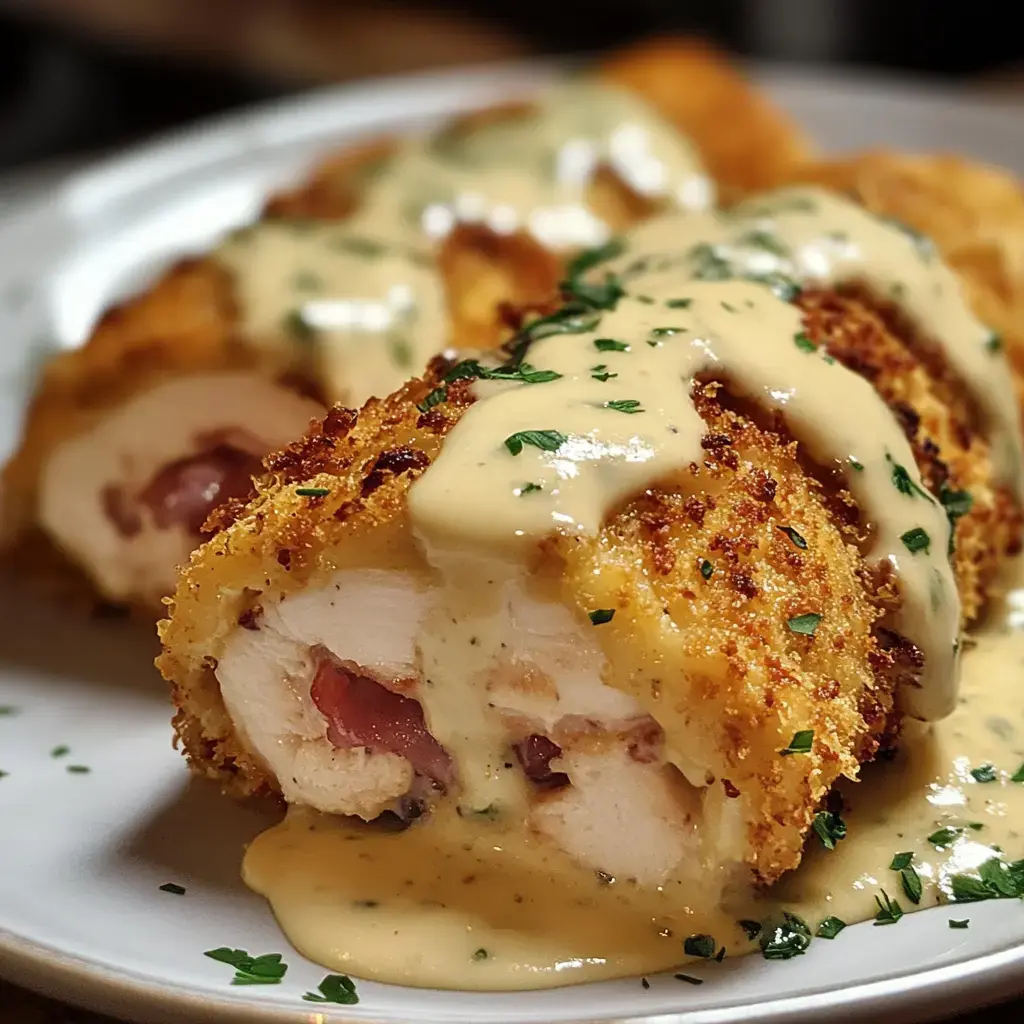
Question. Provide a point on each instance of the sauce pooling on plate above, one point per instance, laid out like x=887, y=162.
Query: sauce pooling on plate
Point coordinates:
x=363, y=302
x=456, y=903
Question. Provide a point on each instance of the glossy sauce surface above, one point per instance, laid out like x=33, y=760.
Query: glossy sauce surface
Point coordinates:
x=416, y=907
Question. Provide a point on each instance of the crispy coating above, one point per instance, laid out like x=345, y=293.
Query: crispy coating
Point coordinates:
x=974, y=213
x=187, y=321
x=709, y=654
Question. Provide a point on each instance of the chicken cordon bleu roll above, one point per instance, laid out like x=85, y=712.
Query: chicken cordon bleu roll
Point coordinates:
x=391, y=253
x=649, y=589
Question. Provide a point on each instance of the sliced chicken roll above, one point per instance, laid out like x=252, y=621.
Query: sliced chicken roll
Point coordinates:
x=647, y=591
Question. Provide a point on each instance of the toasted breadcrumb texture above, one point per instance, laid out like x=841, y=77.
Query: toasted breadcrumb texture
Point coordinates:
x=973, y=212
x=703, y=572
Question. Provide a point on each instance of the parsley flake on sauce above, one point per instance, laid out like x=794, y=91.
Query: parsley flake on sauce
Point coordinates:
x=994, y=343
x=599, y=616
x=335, y=988
x=679, y=303
x=795, y=537
x=706, y=569
x=801, y=743
x=312, y=492
x=626, y=405
x=481, y=954
x=786, y=939
x=598, y=294
x=610, y=345
x=545, y=440
x=250, y=970
x=889, y=911
x=173, y=888
x=700, y=945
x=527, y=488
x=751, y=928
x=600, y=373
x=829, y=828
x=805, y=624
x=916, y=540
x=962, y=923
x=984, y=773
x=856, y=464
x=903, y=482
x=666, y=332
x=61, y=751
x=996, y=880
x=1018, y=775
x=909, y=877
x=590, y=258
x=830, y=928
x=945, y=836
x=78, y=769
x=804, y=343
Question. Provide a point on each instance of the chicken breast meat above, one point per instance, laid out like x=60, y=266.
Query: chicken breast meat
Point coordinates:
x=422, y=605
x=330, y=298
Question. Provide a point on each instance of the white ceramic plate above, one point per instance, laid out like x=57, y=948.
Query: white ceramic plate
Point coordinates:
x=82, y=856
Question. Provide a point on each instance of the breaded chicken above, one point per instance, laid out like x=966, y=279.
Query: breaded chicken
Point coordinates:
x=973, y=212
x=223, y=315
x=699, y=664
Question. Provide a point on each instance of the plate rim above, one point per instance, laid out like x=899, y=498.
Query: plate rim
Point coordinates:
x=981, y=980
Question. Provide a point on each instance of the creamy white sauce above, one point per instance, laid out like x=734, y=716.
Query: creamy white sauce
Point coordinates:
x=734, y=330
x=363, y=316
x=362, y=304
x=415, y=908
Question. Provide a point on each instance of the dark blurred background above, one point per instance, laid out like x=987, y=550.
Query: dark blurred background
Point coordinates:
x=80, y=76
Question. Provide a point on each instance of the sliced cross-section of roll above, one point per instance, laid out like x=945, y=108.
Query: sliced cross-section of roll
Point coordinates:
x=650, y=589
x=390, y=254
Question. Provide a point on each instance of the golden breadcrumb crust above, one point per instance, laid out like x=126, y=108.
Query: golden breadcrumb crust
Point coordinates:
x=723, y=669
x=186, y=322
x=973, y=212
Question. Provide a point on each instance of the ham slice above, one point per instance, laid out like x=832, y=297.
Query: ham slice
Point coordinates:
x=360, y=712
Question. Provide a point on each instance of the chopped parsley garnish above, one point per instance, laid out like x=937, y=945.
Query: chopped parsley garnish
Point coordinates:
x=689, y=979
x=1018, y=775
x=956, y=504
x=889, y=911
x=335, y=988
x=528, y=488
x=297, y=326
x=599, y=616
x=7, y=710
x=480, y=954
x=545, y=440
x=829, y=828
x=61, y=751
x=666, y=332
x=250, y=970
x=996, y=880
x=173, y=888
x=801, y=743
x=984, y=773
x=600, y=372
x=728, y=308
x=962, y=923
x=78, y=769
x=764, y=240
x=830, y=928
x=610, y=345
x=307, y=281
x=573, y=318
x=804, y=343
x=787, y=939
x=435, y=397
x=909, y=877
x=312, y=492
x=916, y=540
x=590, y=258
x=626, y=405
x=711, y=265
x=945, y=836
x=904, y=483
x=805, y=624
x=524, y=373
x=706, y=569
x=679, y=303
x=856, y=464
x=794, y=537
x=700, y=945
x=645, y=299
x=994, y=343
x=597, y=294
x=751, y=928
